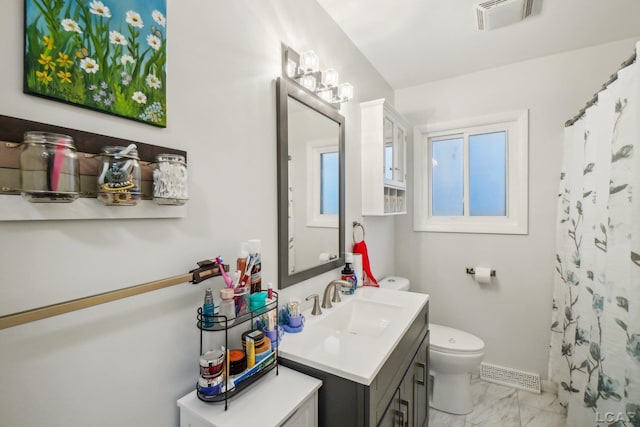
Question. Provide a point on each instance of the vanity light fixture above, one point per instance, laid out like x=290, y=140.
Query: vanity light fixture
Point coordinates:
x=304, y=69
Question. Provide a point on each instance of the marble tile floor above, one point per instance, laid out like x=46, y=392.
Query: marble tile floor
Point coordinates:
x=499, y=406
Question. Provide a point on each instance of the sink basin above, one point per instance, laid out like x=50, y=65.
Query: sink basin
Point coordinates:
x=353, y=339
x=361, y=317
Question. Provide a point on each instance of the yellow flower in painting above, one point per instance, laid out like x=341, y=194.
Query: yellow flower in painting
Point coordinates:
x=64, y=76
x=63, y=60
x=82, y=53
x=45, y=60
x=44, y=77
x=47, y=42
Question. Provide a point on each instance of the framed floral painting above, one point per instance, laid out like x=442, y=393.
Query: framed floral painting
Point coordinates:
x=108, y=55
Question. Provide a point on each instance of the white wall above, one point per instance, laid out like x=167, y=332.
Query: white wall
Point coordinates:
x=512, y=314
x=126, y=363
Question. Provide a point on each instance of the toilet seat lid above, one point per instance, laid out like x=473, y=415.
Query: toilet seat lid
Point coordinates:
x=453, y=340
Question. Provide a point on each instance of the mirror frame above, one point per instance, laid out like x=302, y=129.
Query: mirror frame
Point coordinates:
x=285, y=89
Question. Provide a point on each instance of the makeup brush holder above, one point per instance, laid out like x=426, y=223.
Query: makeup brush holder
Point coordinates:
x=49, y=168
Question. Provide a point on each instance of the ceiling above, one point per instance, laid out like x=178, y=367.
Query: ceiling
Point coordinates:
x=411, y=42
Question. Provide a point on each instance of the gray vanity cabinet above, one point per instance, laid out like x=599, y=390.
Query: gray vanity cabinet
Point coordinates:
x=410, y=403
x=421, y=384
x=392, y=417
x=399, y=392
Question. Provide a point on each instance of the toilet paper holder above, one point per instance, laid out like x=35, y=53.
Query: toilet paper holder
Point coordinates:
x=471, y=270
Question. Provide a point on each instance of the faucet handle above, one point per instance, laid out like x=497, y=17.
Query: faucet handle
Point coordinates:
x=316, y=304
x=336, y=293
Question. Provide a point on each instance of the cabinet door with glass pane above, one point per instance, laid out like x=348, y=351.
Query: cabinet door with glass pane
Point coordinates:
x=384, y=147
x=395, y=143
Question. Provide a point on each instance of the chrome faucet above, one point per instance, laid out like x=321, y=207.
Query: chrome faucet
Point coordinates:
x=316, y=307
x=326, y=303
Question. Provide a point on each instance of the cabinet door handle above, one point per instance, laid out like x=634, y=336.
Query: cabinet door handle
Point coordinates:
x=422, y=365
x=405, y=421
x=399, y=415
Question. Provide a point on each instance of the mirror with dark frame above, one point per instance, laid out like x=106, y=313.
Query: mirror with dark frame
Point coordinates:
x=311, y=195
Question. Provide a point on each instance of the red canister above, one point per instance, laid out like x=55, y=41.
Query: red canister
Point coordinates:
x=211, y=363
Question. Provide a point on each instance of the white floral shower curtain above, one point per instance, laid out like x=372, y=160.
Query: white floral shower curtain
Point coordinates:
x=595, y=340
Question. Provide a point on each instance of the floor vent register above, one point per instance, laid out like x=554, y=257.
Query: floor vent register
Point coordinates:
x=510, y=377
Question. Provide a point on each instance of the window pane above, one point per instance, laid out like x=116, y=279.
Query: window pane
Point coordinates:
x=329, y=183
x=487, y=174
x=447, y=177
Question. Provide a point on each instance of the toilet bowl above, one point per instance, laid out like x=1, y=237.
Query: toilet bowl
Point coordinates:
x=453, y=354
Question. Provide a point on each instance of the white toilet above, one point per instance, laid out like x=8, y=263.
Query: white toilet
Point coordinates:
x=453, y=354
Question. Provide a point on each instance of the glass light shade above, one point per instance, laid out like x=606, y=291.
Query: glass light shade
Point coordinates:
x=309, y=61
x=330, y=77
x=309, y=82
x=327, y=95
x=292, y=68
x=345, y=92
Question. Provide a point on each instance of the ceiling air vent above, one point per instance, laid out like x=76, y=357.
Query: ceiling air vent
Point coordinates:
x=499, y=13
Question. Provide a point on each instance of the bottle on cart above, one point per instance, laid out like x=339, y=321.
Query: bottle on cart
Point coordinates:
x=208, y=309
x=256, y=272
x=227, y=306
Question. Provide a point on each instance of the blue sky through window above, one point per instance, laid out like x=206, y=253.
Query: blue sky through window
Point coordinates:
x=487, y=174
x=447, y=188
x=329, y=183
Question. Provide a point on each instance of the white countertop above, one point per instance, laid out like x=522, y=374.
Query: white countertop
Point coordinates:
x=354, y=357
x=267, y=402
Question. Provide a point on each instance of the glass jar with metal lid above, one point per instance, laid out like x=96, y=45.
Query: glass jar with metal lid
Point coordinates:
x=170, y=180
x=119, y=177
x=49, y=168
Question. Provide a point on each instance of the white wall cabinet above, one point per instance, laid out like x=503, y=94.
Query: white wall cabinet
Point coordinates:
x=384, y=159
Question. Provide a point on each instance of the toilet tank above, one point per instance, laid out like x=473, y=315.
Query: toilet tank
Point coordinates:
x=395, y=283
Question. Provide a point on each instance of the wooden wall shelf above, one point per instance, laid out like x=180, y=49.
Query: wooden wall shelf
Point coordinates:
x=88, y=145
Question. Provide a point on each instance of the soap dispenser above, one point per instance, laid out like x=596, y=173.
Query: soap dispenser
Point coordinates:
x=349, y=275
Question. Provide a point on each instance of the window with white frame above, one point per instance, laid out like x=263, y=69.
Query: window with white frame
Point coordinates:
x=471, y=176
x=323, y=181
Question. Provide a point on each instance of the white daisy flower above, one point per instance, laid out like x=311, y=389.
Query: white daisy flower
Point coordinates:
x=98, y=8
x=154, y=42
x=139, y=97
x=159, y=18
x=153, y=81
x=134, y=19
x=117, y=38
x=127, y=59
x=71, y=25
x=89, y=65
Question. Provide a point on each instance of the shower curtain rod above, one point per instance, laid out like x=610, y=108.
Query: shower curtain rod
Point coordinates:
x=593, y=100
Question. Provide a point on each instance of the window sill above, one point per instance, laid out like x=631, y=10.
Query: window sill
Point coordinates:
x=485, y=225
